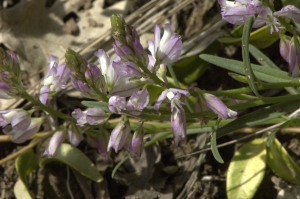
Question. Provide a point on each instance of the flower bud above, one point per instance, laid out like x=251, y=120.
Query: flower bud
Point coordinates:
x=99, y=140
x=55, y=141
x=137, y=143
x=119, y=135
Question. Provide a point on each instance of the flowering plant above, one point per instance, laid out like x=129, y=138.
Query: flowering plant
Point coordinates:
x=138, y=88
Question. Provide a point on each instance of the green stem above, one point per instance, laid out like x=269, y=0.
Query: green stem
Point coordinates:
x=151, y=75
x=47, y=108
x=102, y=96
x=251, y=79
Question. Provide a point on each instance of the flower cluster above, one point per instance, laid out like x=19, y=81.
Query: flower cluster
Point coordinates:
x=10, y=76
x=19, y=124
x=236, y=12
x=119, y=84
x=55, y=80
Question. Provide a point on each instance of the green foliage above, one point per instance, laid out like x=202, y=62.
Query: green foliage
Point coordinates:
x=246, y=170
x=261, y=38
x=25, y=164
x=281, y=163
x=77, y=160
x=291, y=2
x=21, y=191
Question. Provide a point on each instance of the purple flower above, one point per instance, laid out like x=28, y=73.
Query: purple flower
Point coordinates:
x=116, y=84
x=126, y=69
x=290, y=12
x=217, y=106
x=170, y=93
x=74, y=137
x=119, y=135
x=99, y=140
x=18, y=118
x=178, y=123
x=80, y=116
x=178, y=120
x=55, y=80
x=290, y=51
x=116, y=104
x=55, y=141
x=20, y=136
x=137, y=143
x=236, y=12
x=95, y=116
x=166, y=49
x=21, y=120
x=138, y=101
x=92, y=116
x=6, y=116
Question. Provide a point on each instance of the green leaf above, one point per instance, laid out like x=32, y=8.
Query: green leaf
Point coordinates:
x=77, y=160
x=291, y=2
x=246, y=170
x=237, y=77
x=265, y=61
x=21, y=191
x=263, y=73
x=93, y=104
x=259, y=116
x=261, y=38
x=282, y=164
x=251, y=79
x=214, y=148
x=25, y=164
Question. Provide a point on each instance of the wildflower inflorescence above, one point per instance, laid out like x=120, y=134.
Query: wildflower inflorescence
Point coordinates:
x=121, y=84
x=236, y=12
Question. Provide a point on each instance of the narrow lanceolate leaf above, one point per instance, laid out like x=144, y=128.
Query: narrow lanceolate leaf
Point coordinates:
x=246, y=170
x=282, y=164
x=77, y=160
x=261, y=38
x=267, y=62
x=251, y=79
x=25, y=164
x=265, y=74
x=214, y=148
x=259, y=116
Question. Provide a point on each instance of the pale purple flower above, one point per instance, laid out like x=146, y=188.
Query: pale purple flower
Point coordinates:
x=119, y=136
x=170, y=93
x=116, y=84
x=290, y=12
x=178, y=120
x=116, y=104
x=178, y=123
x=55, y=142
x=99, y=140
x=18, y=118
x=21, y=120
x=290, y=51
x=217, y=106
x=236, y=12
x=137, y=143
x=95, y=116
x=74, y=136
x=138, y=101
x=166, y=49
x=55, y=79
x=126, y=69
x=20, y=136
x=6, y=116
x=92, y=116
x=80, y=116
